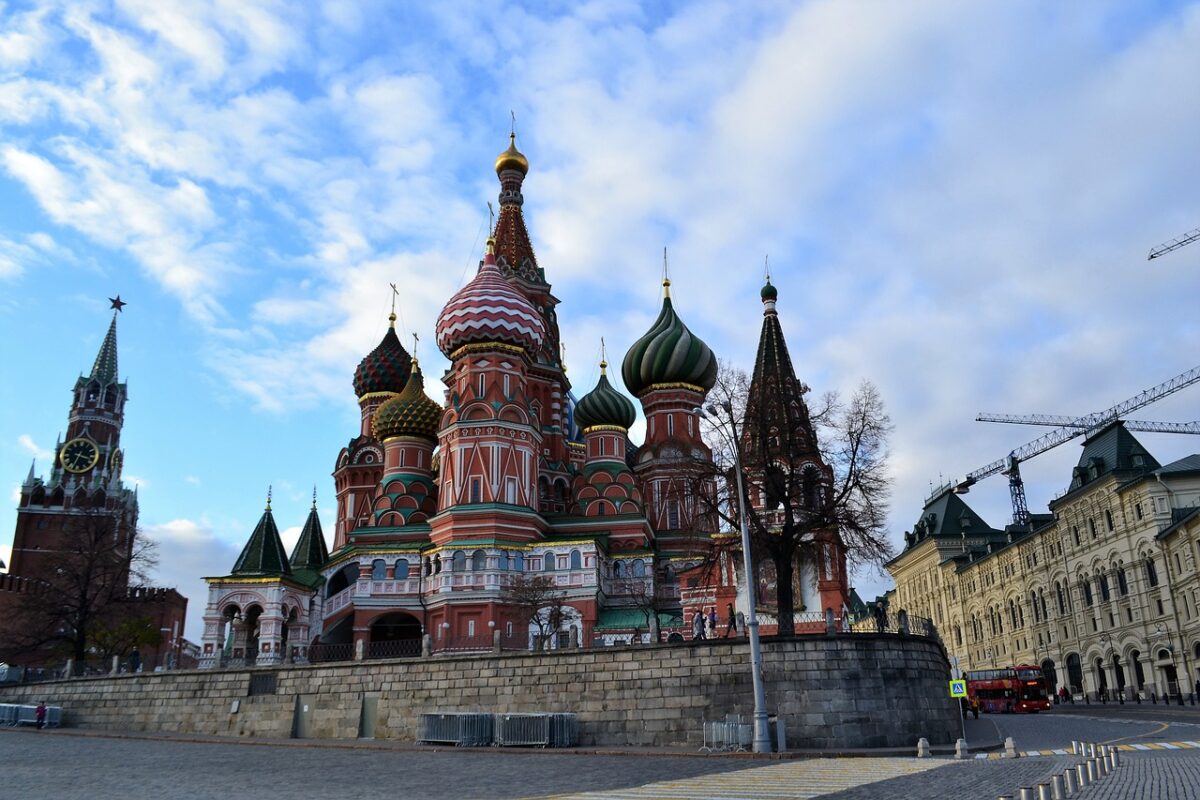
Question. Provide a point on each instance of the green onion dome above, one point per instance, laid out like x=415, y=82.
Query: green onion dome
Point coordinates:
x=410, y=413
x=604, y=405
x=386, y=368
x=668, y=353
x=769, y=292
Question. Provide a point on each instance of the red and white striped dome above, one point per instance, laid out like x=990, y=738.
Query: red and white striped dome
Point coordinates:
x=488, y=309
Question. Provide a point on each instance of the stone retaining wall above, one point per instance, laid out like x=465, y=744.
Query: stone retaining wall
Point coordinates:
x=834, y=691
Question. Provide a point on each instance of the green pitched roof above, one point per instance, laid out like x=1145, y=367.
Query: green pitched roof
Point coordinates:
x=1113, y=449
x=104, y=369
x=264, y=553
x=310, y=551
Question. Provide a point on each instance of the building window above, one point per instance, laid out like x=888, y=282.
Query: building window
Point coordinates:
x=1062, y=605
x=476, y=490
x=1108, y=520
x=1103, y=579
x=471, y=622
x=402, y=569
x=1087, y=591
x=458, y=562
x=576, y=560
x=1075, y=533
x=1158, y=601
x=508, y=629
x=639, y=568
x=1137, y=510
x=548, y=562
x=507, y=388
x=1092, y=527
x=1122, y=582
x=510, y=491
x=672, y=515
x=1151, y=571
x=670, y=424
x=478, y=561
x=378, y=570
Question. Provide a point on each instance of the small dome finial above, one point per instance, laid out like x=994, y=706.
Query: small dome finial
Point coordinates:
x=603, y=358
x=491, y=246
x=314, y=506
x=268, y=497
x=666, y=282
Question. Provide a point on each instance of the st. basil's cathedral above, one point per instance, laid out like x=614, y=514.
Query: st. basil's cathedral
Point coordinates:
x=442, y=508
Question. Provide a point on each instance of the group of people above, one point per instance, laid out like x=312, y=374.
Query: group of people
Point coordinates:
x=704, y=625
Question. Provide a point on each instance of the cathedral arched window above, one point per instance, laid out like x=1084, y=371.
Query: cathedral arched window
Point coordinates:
x=810, y=488
x=503, y=560
x=548, y=562
x=639, y=568
x=401, y=569
x=618, y=569
x=519, y=562
x=378, y=569
x=458, y=562
x=576, y=560
x=478, y=560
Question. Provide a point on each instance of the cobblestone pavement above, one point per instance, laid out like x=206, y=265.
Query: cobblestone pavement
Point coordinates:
x=51, y=766
x=968, y=780
x=1143, y=776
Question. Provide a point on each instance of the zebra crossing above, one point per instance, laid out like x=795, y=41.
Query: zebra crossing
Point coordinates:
x=793, y=780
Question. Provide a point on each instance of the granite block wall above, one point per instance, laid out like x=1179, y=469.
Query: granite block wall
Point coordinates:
x=834, y=691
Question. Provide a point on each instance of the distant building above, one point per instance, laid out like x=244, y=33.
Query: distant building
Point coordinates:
x=443, y=507
x=1102, y=592
x=84, y=496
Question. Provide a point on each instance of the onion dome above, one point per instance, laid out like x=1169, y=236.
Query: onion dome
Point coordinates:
x=512, y=158
x=769, y=293
x=604, y=405
x=410, y=413
x=489, y=310
x=386, y=368
x=668, y=353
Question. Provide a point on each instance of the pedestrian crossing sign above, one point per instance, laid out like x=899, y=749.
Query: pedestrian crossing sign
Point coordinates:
x=958, y=688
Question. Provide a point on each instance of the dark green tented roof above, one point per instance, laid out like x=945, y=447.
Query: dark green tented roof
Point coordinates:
x=1186, y=464
x=264, y=553
x=946, y=515
x=1113, y=449
x=104, y=370
x=310, y=553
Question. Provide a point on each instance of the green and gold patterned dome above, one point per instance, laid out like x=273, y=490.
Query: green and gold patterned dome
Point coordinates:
x=385, y=369
x=604, y=405
x=410, y=413
x=668, y=353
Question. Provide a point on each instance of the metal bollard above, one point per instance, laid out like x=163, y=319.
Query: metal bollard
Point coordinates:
x=1102, y=762
x=1116, y=756
x=1056, y=785
x=1074, y=747
x=1025, y=793
x=1091, y=750
x=1044, y=791
x=1069, y=783
x=1081, y=772
x=1092, y=773
x=960, y=750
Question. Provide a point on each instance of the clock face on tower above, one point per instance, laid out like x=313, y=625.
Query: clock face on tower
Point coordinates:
x=79, y=455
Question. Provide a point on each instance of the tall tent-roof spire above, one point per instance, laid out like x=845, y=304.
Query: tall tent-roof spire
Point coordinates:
x=776, y=396
x=310, y=552
x=263, y=554
x=104, y=369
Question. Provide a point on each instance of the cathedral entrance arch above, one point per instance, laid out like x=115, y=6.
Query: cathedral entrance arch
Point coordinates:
x=395, y=635
x=1051, y=675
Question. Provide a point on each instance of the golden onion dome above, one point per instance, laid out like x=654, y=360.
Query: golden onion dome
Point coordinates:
x=512, y=158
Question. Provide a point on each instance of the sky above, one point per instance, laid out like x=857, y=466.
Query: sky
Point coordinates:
x=957, y=200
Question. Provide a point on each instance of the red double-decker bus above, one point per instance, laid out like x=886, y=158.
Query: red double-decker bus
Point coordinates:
x=1009, y=690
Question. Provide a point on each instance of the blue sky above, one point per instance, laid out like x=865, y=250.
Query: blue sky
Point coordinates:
x=957, y=199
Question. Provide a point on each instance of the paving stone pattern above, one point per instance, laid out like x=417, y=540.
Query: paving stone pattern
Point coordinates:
x=976, y=780
x=1173, y=776
x=836, y=691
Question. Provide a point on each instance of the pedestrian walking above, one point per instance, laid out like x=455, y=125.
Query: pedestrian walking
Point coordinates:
x=698, y=626
x=731, y=622
x=40, y=714
x=711, y=627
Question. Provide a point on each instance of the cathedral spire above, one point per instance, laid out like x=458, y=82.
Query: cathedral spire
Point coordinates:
x=263, y=553
x=310, y=552
x=774, y=389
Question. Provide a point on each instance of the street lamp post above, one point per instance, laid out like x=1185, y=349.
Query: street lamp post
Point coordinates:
x=762, y=736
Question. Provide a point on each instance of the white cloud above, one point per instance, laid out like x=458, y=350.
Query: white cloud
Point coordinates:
x=33, y=448
x=188, y=551
x=191, y=479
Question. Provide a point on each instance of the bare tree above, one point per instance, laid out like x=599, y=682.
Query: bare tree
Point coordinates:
x=84, y=581
x=123, y=635
x=538, y=602
x=642, y=596
x=808, y=477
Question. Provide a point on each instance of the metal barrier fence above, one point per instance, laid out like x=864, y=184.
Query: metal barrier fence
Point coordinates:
x=900, y=622
x=729, y=735
x=462, y=729
x=322, y=653
x=13, y=715
x=537, y=730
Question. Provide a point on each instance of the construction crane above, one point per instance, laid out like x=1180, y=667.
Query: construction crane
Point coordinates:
x=1062, y=421
x=1174, y=244
x=1010, y=465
